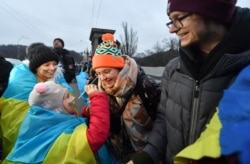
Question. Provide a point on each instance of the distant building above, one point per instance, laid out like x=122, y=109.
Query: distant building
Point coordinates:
x=95, y=37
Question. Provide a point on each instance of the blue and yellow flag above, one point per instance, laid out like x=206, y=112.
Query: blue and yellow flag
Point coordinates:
x=15, y=118
x=14, y=104
x=46, y=137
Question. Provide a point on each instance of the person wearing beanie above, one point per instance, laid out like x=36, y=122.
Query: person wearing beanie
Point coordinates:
x=52, y=96
x=43, y=62
x=66, y=60
x=39, y=55
x=58, y=43
x=213, y=48
x=50, y=131
x=107, y=54
x=133, y=96
x=41, y=66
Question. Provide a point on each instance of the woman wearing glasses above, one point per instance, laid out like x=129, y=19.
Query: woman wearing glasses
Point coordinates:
x=214, y=47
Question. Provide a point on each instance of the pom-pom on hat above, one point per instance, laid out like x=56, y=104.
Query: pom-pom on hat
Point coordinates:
x=60, y=40
x=107, y=54
x=48, y=95
x=39, y=54
x=221, y=11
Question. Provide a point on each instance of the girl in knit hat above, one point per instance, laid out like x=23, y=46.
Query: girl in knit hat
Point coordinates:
x=133, y=97
x=41, y=67
x=51, y=132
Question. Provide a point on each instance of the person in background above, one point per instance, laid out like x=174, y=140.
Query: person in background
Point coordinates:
x=89, y=64
x=214, y=47
x=55, y=132
x=133, y=98
x=41, y=66
x=67, y=62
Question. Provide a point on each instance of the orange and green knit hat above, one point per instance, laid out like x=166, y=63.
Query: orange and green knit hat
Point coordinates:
x=107, y=54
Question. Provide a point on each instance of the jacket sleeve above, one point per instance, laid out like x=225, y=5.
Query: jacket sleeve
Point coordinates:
x=99, y=122
x=85, y=111
x=157, y=140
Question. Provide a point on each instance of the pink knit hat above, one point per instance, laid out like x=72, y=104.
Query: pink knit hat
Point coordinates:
x=48, y=95
x=221, y=11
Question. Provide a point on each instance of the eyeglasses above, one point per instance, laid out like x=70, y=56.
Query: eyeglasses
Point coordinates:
x=177, y=22
x=106, y=72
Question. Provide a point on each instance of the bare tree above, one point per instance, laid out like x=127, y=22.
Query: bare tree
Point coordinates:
x=129, y=41
x=158, y=47
x=170, y=44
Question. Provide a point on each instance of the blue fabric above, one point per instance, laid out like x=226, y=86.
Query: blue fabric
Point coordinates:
x=39, y=138
x=16, y=88
x=82, y=79
x=105, y=155
x=234, y=114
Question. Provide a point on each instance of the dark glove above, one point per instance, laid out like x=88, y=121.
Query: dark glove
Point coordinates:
x=139, y=158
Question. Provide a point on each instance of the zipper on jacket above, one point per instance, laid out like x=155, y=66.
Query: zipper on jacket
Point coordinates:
x=194, y=115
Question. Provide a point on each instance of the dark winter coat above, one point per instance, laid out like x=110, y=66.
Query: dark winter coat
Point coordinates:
x=192, y=88
x=5, y=68
x=68, y=64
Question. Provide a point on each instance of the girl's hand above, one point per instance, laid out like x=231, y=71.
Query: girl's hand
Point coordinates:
x=91, y=88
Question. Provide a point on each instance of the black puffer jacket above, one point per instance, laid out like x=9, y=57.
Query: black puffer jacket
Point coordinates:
x=67, y=62
x=191, y=89
x=5, y=68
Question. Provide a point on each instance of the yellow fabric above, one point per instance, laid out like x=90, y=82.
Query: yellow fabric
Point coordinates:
x=71, y=148
x=206, y=146
x=12, y=113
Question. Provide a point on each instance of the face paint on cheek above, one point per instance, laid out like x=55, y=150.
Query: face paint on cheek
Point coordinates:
x=44, y=71
x=71, y=103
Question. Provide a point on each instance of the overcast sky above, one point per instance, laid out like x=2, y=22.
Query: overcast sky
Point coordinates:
x=26, y=21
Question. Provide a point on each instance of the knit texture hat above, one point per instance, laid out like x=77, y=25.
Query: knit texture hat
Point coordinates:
x=59, y=39
x=40, y=54
x=107, y=54
x=48, y=95
x=217, y=10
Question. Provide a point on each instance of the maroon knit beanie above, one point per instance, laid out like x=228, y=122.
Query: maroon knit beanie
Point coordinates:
x=217, y=10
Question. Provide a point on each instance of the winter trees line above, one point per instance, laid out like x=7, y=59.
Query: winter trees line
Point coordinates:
x=160, y=53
